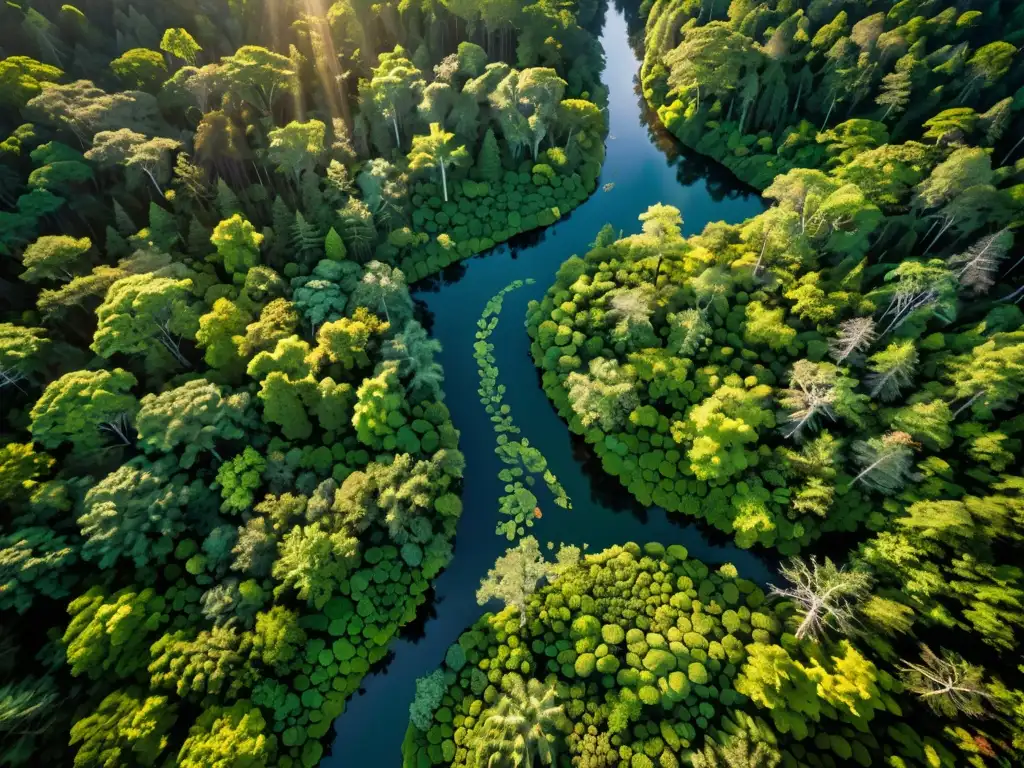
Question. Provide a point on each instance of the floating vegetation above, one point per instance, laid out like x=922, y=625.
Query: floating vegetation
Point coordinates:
x=524, y=463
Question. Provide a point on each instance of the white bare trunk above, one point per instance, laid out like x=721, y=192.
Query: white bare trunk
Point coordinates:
x=153, y=179
x=828, y=114
x=809, y=618
x=941, y=232
x=1012, y=150
x=171, y=345
x=968, y=404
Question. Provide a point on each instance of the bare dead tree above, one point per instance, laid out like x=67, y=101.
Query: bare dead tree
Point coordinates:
x=976, y=267
x=887, y=461
x=905, y=303
x=811, y=394
x=948, y=684
x=854, y=337
x=826, y=596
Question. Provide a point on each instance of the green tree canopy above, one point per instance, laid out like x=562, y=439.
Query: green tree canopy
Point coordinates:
x=194, y=416
x=234, y=736
x=20, y=353
x=22, y=78
x=141, y=310
x=438, y=150
x=238, y=245
x=297, y=147
x=54, y=257
x=313, y=562
x=125, y=722
x=137, y=512
x=85, y=408
x=178, y=42
x=257, y=75
x=140, y=69
x=109, y=634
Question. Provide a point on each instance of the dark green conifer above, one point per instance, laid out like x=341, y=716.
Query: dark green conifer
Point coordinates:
x=488, y=162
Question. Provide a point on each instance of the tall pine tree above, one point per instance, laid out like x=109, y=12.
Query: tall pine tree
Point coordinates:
x=488, y=162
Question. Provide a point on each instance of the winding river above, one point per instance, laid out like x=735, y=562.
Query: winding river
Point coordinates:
x=645, y=166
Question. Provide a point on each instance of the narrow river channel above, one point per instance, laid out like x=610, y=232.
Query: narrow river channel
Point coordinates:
x=646, y=167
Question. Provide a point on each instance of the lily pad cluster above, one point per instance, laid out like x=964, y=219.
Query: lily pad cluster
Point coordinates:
x=524, y=462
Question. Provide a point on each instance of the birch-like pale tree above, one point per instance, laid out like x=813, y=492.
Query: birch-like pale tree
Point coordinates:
x=826, y=596
x=438, y=150
x=976, y=267
x=886, y=462
x=853, y=338
x=948, y=684
x=811, y=394
x=515, y=576
x=920, y=285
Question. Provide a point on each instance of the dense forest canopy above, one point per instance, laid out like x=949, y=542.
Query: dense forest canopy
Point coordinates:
x=840, y=373
x=227, y=473
x=769, y=86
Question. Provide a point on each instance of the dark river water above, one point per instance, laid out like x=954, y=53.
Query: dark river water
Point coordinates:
x=646, y=166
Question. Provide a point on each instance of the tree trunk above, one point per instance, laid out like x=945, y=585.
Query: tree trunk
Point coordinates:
x=444, y=181
x=968, y=404
x=828, y=114
x=176, y=353
x=153, y=179
x=1015, y=265
x=1012, y=150
x=346, y=108
x=809, y=618
x=115, y=428
x=764, y=246
x=171, y=346
x=941, y=232
x=867, y=470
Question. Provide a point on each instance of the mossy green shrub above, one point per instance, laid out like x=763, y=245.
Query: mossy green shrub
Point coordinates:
x=524, y=462
x=652, y=655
